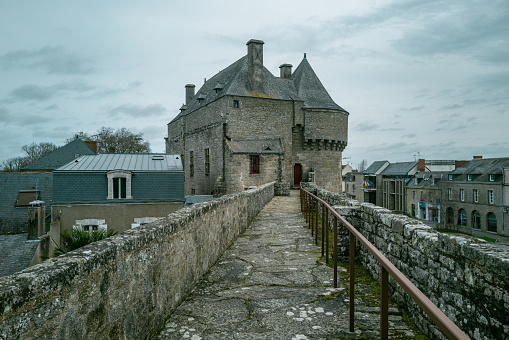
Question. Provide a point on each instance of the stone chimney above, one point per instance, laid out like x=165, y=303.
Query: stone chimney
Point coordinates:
x=36, y=225
x=285, y=71
x=422, y=165
x=189, y=93
x=255, y=65
x=92, y=144
x=477, y=157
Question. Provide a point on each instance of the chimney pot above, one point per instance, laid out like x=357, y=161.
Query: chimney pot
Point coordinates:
x=422, y=165
x=189, y=92
x=286, y=71
x=255, y=65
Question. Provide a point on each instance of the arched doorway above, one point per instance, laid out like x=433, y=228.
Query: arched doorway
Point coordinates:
x=450, y=216
x=492, y=222
x=462, y=217
x=476, y=220
x=297, y=174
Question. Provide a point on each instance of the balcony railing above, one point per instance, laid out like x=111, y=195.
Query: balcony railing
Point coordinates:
x=310, y=205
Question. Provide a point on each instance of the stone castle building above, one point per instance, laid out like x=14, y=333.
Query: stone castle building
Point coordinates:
x=245, y=127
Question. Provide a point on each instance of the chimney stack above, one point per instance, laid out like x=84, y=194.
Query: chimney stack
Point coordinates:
x=477, y=157
x=255, y=65
x=285, y=71
x=422, y=165
x=189, y=93
x=92, y=144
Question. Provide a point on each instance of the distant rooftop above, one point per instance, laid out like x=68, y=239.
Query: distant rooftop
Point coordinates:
x=129, y=162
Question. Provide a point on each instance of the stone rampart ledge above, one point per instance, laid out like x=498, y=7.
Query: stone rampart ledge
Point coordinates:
x=467, y=278
x=125, y=286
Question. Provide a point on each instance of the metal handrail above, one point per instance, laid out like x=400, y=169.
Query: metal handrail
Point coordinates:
x=436, y=315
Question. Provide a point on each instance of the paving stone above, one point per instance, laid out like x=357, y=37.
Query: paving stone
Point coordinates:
x=270, y=284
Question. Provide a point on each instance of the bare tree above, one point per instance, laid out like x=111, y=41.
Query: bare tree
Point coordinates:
x=32, y=153
x=119, y=141
x=362, y=165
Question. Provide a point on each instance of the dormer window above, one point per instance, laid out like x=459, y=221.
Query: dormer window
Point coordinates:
x=218, y=87
x=492, y=178
x=119, y=184
x=469, y=178
x=450, y=177
x=201, y=98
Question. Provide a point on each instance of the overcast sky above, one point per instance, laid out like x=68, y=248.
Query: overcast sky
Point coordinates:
x=427, y=78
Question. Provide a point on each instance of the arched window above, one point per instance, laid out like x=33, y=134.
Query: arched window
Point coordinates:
x=462, y=217
x=119, y=184
x=450, y=216
x=491, y=222
x=476, y=220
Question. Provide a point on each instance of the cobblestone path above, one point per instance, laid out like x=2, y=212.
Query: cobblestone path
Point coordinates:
x=271, y=284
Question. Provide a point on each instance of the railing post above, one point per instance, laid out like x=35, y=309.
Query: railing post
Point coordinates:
x=312, y=216
x=335, y=242
x=384, y=303
x=316, y=223
x=327, y=239
x=352, y=280
x=323, y=228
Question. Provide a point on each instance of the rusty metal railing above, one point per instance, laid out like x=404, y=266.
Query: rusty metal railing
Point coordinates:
x=310, y=205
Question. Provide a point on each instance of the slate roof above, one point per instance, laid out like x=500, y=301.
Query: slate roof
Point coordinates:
x=255, y=146
x=143, y=162
x=399, y=169
x=16, y=253
x=481, y=169
x=374, y=167
x=233, y=80
x=15, y=219
x=428, y=179
x=60, y=156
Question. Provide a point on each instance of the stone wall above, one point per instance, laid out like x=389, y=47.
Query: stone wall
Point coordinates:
x=467, y=278
x=125, y=286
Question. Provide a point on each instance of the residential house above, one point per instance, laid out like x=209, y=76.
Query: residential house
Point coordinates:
x=423, y=194
x=117, y=191
x=476, y=196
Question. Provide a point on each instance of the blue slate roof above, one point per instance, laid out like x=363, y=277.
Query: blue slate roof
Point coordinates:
x=374, y=167
x=233, y=80
x=60, y=156
x=15, y=219
x=145, y=162
x=16, y=253
x=481, y=169
x=403, y=168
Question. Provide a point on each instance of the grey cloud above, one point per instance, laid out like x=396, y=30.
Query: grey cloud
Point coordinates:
x=51, y=107
x=366, y=126
x=137, y=110
x=476, y=29
x=52, y=59
x=410, y=135
x=451, y=107
x=32, y=92
x=4, y=115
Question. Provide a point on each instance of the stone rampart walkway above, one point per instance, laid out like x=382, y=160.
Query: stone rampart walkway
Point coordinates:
x=271, y=284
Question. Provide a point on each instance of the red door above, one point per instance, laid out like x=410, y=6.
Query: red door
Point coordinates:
x=297, y=174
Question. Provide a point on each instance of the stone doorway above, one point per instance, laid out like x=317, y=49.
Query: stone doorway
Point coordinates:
x=297, y=174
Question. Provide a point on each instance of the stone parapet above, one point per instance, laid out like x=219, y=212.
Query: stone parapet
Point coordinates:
x=467, y=278
x=127, y=285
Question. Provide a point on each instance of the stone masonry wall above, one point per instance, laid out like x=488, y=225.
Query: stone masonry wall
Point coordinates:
x=126, y=286
x=467, y=278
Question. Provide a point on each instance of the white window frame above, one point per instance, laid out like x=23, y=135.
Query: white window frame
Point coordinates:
x=80, y=224
x=462, y=195
x=449, y=191
x=491, y=197
x=119, y=174
x=476, y=195
x=492, y=178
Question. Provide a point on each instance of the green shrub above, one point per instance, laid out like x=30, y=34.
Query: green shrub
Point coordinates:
x=75, y=238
